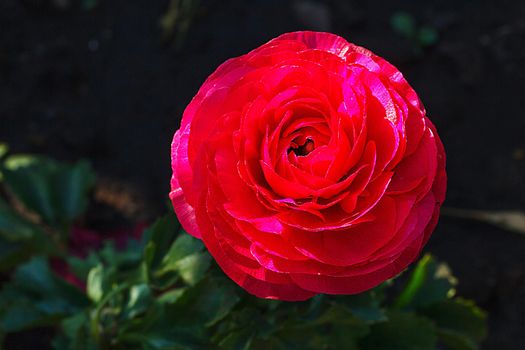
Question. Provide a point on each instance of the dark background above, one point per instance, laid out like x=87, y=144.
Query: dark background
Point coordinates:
x=102, y=80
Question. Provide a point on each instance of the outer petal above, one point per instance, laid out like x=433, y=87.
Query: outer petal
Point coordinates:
x=184, y=211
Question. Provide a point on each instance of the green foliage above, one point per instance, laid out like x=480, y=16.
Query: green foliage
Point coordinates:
x=164, y=291
x=457, y=323
x=4, y=148
x=19, y=238
x=460, y=323
x=402, y=331
x=36, y=296
x=429, y=283
x=56, y=192
x=47, y=196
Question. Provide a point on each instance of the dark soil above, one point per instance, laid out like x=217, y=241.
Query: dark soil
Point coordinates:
x=102, y=84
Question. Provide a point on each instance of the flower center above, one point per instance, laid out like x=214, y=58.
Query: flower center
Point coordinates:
x=304, y=149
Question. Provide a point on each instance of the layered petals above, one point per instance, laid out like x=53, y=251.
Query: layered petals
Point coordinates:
x=308, y=166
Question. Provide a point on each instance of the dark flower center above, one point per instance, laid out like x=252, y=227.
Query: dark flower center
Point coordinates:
x=304, y=149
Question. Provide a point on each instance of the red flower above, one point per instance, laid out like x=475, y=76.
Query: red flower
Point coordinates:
x=308, y=166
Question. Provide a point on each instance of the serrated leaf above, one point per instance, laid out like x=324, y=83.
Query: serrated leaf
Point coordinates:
x=402, y=331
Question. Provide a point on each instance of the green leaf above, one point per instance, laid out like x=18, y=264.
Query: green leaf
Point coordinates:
x=19, y=316
x=36, y=278
x=35, y=296
x=55, y=191
x=365, y=306
x=128, y=257
x=19, y=238
x=461, y=324
x=4, y=148
x=171, y=296
x=140, y=298
x=28, y=179
x=204, y=304
x=81, y=267
x=429, y=283
x=193, y=267
x=149, y=254
x=15, y=228
x=333, y=328
x=72, y=185
x=238, y=340
x=95, y=283
x=158, y=239
x=183, y=246
x=75, y=334
x=404, y=24
x=184, y=257
x=12, y=254
x=402, y=331
x=20, y=160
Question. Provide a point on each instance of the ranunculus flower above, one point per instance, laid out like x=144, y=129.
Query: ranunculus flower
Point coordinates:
x=308, y=166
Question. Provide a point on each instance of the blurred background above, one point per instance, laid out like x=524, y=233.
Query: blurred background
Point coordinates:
x=108, y=80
